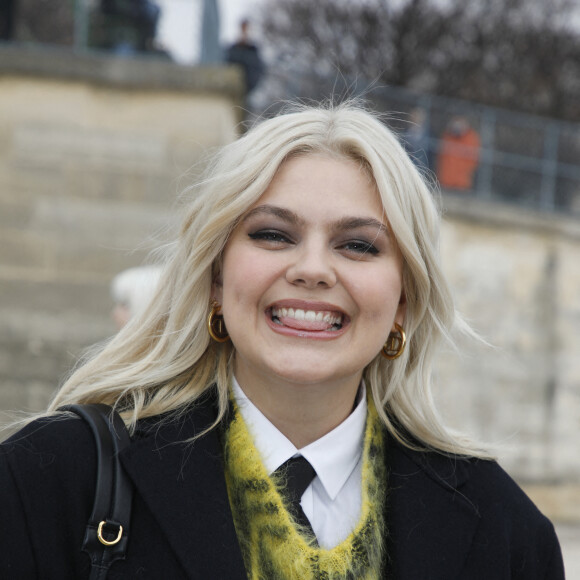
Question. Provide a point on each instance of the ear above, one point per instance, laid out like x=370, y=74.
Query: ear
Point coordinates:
x=217, y=288
x=401, y=309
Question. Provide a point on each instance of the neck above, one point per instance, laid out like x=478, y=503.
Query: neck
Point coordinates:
x=302, y=412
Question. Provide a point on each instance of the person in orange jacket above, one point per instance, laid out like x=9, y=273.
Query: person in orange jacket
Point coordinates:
x=458, y=155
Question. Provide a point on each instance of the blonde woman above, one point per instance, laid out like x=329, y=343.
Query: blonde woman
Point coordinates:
x=290, y=342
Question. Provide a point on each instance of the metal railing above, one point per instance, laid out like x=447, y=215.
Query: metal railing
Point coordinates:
x=522, y=159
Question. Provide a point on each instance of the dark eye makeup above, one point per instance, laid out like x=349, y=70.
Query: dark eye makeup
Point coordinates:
x=360, y=247
x=276, y=237
x=270, y=236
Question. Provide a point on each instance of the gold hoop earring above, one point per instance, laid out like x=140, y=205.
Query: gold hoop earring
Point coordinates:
x=395, y=344
x=216, y=325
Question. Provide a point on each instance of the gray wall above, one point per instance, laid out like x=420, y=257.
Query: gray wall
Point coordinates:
x=516, y=278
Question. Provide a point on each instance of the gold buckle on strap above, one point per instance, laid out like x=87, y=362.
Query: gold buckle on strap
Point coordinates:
x=103, y=540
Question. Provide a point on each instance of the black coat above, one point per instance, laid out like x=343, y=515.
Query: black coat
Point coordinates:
x=447, y=519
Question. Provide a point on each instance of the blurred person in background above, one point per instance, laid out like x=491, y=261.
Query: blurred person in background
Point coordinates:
x=246, y=54
x=277, y=390
x=458, y=155
x=132, y=291
x=416, y=138
x=7, y=19
x=140, y=15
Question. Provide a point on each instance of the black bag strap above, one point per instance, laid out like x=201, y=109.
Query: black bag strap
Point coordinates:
x=107, y=532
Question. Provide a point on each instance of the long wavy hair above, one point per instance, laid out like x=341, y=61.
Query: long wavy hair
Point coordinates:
x=163, y=361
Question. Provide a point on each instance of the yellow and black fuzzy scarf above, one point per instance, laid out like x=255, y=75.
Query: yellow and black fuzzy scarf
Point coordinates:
x=272, y=545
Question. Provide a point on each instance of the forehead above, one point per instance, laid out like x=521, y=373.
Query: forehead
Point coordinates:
x=313, y=179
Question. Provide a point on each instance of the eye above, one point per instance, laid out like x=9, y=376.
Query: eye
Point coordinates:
x=360, y=247
x=272, y=236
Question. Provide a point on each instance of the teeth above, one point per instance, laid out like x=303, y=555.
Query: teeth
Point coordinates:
x=307, y=315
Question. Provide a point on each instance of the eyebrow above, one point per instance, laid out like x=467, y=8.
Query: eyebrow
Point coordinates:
x=346, y=223
x=360, y=222
x=284, y=214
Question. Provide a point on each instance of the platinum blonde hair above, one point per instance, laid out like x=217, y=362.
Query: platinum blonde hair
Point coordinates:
x=164, y=360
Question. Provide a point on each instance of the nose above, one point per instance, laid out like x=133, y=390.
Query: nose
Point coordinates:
x=312, y=268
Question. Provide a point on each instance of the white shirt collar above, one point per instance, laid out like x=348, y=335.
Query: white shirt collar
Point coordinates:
x=334, y=456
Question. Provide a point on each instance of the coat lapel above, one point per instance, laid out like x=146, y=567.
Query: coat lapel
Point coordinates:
x=430, y=523
x=184, y=487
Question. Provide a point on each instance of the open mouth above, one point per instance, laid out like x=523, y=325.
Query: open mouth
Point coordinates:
x=308, y=320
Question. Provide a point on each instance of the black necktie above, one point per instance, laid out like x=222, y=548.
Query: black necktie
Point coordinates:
x=297, y=473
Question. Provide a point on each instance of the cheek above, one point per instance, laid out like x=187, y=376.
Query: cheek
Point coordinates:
x=245, y=275
x=381, y=298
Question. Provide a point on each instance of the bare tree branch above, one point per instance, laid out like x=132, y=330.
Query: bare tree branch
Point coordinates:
x=518, y=54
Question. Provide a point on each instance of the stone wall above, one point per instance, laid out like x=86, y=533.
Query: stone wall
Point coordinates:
x=93, y=151
x=516, y=278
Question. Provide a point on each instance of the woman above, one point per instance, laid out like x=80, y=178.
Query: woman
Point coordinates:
x=297, y=318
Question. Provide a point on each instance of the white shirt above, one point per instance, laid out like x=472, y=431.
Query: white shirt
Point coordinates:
x=332, y=502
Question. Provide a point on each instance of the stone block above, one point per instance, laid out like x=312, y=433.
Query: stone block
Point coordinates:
x=109, y=185
x=52, y=144
x=25, y=249
x=14, y=213
x=55, y=296
x=75, y=327
x=28, y=182
x=106, y=225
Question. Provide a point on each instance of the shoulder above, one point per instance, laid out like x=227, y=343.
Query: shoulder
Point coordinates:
x=499, y=498
x=474, y=505
x=46, y=437
x=51, y=455
x=511, y=522
x=483, y=483
x=494, y=488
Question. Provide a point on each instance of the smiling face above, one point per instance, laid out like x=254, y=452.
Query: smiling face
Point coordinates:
x=311, y=278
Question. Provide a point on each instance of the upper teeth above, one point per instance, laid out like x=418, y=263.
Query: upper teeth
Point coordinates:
x=308, y=315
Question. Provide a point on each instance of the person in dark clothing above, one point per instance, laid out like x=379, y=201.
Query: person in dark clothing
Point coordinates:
x=142, y=14
x=246, y=54
x=7, y=19
x=416, y=138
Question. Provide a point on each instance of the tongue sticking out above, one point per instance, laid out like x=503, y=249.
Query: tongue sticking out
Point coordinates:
x=314, y=325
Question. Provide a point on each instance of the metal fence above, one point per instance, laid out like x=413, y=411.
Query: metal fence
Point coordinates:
x=521, y=159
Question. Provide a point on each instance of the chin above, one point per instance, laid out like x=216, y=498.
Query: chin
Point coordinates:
x=304, y=375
